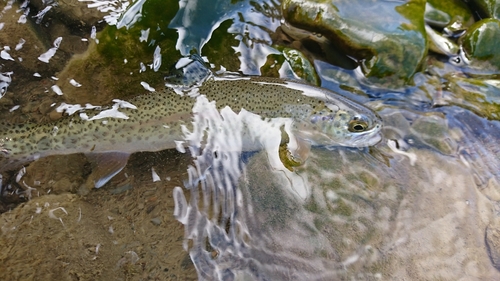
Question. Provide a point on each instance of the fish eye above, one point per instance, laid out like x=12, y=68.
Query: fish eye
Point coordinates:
x=357, y=125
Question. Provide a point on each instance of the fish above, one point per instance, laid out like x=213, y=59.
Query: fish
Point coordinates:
x=157, y=121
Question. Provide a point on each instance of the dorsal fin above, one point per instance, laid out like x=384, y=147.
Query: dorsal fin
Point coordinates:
x=105, y=165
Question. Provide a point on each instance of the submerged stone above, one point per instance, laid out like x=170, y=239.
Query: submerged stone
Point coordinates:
x=299, y=66
x=441, y=44
x=386, y=38
x=442, y=13
x=71, y=11
x=489, y=8
x=477, y=95
x=118, y=60
x=480, y=44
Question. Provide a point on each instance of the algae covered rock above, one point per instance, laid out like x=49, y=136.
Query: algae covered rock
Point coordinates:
x=480, y=96
x=480, y=44
x=489, y=8
x=70, y=11
x=120, y=60
x=386, y=38
x=442, y=13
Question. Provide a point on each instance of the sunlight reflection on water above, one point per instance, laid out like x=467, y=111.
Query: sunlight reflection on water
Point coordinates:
x=245, y=219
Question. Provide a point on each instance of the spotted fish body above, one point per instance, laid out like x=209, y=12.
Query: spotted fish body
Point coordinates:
x=320, y=117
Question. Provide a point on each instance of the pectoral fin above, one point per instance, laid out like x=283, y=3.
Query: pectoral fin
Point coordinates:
x=105, y=166
x=294, y=153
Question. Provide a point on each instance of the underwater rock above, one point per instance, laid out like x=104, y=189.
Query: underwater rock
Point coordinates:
x=440, y=44
x=139, y=53
x=447, y=86
x=290, y=64
x=448, y=13
x=313, y=45
x=70, y=11
x=480, y=44
x=450, y=18
x=386, y=38
x=488, y=8
x=300, y=65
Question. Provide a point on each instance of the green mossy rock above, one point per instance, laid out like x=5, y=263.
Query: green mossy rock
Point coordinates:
x=441, y=13
x=387, y=38
x=111, y=67
x=480, y=44
x=488, y=8
x=479, y=96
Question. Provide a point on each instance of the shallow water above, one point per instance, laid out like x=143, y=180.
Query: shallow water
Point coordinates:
x=415, y=206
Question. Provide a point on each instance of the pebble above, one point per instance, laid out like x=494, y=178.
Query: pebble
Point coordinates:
x=156, y=221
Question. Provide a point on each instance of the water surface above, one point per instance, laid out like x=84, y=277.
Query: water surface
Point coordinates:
x=415, y=206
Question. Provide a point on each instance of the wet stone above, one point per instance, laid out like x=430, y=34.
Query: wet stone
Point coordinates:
x=480, y=44
x=442, y=13
x=441, y=44
x=488, y=8
x=156, y=221
x=386, y=38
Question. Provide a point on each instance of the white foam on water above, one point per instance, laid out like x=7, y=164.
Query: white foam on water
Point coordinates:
x=45, y=57
x=57, y=90
x=147, y=87
x=155, y=175
x=132, y=15
x=5, y=80
x=41, y=14
x=5, y=55
x=144, y=35
x=156, y=59
x=74, y=83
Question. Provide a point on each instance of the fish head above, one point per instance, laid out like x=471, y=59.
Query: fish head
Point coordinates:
x=337, y=125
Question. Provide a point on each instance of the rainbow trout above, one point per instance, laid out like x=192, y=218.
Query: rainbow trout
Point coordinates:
x=154, y=121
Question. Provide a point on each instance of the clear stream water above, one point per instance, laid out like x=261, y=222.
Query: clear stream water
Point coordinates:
x=416, y=206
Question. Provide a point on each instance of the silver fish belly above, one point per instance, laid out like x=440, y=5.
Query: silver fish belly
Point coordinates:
x=319, y=116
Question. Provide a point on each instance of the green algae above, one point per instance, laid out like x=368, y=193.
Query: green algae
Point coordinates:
x=488, y=8
x=441, y=13
x=301, y=66
x=478, y=96
x=220, y=47
x=119, y=53
x=481, y=46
